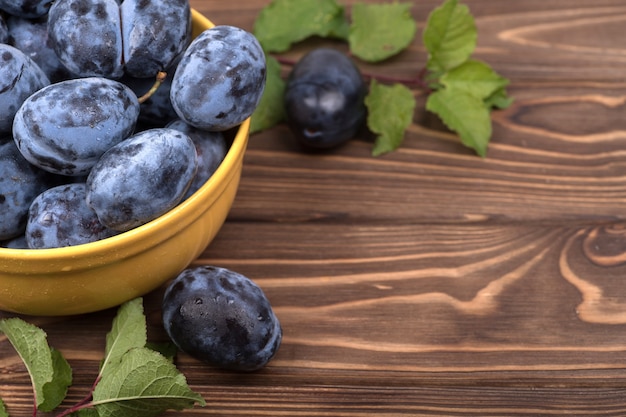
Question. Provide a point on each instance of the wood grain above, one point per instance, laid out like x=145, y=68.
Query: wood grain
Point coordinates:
x=430, y=281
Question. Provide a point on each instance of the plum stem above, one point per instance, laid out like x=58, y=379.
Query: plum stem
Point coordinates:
x=419, y=81
x=85, y=402
x=160, y=77
x=79, y=406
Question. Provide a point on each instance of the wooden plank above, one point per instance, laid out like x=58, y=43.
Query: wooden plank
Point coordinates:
x=535, y=170
x=418, y=299
x=439, y=298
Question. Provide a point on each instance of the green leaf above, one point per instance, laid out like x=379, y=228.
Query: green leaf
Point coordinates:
x=167, y=349
x=3, y=409
x=450, y=36
x=49, y=372
x=379, y=31
x=475, y=78
x=128, y=331
x=390, y=113
x=464, y=114
x=143, y=384
x=271, y=108
x=499, y=99
x=285, y=22
x=86, y=412
x=55, y=391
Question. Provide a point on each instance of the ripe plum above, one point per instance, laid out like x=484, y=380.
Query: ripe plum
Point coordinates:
x=20, y=77
x=65, y=127
x=210, y=147
x=141, y=178
x=221, y=317
x=20, y=183
x=220, y=79
x=155, y=34
x=60, y=217
x=324, y=99
x=25, y=8
x=4, y=30
x=31, y=37
x=87, y=36
x=18, y=242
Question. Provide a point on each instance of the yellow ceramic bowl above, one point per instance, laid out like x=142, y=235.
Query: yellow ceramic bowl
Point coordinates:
x=103, y=274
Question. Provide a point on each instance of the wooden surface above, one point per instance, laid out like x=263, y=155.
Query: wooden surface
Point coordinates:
x=430, y=281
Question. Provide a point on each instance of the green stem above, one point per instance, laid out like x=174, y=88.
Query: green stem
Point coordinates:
x=160, y=77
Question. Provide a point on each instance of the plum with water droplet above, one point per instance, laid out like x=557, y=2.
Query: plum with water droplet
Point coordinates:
x=222, y=318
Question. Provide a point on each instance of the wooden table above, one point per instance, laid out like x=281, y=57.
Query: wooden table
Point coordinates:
x=430, y=281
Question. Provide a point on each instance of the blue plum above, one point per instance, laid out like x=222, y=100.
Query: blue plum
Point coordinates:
x=31, y=37
x=222, y=318
x=87, y=36
x=155, y=34
x=65, y=127
x=20, y=77
x=18, y=242
x=141, y=178
x=324, y=99
x=220, y=79
x=20, y=183
x=4, y=30
x=60, y=217
x=26, y=8
x=211, y=148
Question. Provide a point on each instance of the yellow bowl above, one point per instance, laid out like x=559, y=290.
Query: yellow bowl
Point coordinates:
x=104, y=274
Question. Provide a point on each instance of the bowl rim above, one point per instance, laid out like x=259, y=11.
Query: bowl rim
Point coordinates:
x=202, y=21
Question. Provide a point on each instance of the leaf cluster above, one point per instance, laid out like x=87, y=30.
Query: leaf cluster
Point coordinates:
x=461, y=91
x=134, y=379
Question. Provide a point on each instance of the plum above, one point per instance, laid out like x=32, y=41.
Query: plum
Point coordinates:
x=222, y=318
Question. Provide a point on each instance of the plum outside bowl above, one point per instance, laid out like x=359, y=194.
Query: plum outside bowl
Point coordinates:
x=99, y=275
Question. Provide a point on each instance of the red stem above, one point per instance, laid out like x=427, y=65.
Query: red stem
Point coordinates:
x=79, y=406
x=418, y=81
x=84, y=403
